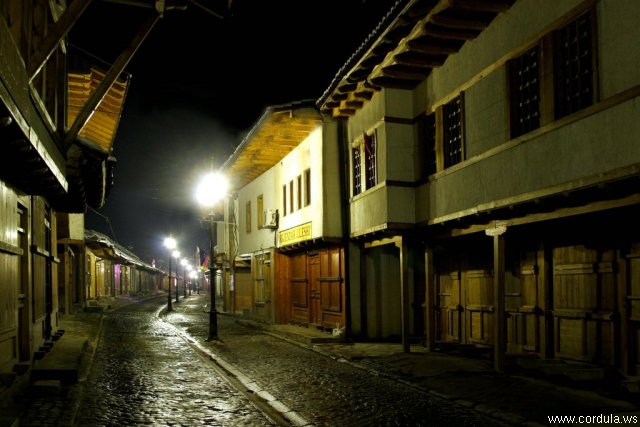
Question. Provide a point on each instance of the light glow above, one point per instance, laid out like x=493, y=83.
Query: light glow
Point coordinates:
x=211, y=189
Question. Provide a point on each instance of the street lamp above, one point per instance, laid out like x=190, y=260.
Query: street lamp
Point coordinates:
x=192, y=276
x=176, y=255
x=211, y=189
x=169, y=243
x=184, y=263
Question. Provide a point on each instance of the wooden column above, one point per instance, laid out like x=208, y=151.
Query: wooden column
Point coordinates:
x=429, y=300
x=499, y=320
x=404, y=293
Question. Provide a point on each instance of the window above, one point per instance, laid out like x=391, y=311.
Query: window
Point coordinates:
x=554, y=78
x=248, y=217
x=260, y=211
x=284, y=200
x=357, y=168
x=299, y=193
x=524, y=77
x=307, y=187
x=291, y=196
x=370, y=159
x=574, y=66
x=452, y=131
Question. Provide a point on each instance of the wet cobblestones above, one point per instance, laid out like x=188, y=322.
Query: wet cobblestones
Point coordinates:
x=322, y=390
x=144, y=374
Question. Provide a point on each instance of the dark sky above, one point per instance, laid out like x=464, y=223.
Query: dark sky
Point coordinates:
x=198, y=85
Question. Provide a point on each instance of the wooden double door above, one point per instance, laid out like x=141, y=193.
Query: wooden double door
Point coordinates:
x=317, y=288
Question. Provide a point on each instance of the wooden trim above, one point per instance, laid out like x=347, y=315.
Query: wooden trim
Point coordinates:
x=400, y=120
x=35, y=249
x=560, y=213
x=10, y=249
x=402, y=184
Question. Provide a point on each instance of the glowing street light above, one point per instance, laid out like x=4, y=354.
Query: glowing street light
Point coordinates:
x=211, y=190
x=169, y=243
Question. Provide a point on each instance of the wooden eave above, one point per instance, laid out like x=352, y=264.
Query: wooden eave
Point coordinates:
x=101, y=127
x=279, y=130
x=421, y=36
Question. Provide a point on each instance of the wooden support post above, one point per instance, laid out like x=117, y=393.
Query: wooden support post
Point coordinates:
x=499, y=320
x=404, y=293
x=429, y=300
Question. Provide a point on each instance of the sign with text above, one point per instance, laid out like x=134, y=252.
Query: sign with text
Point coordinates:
x=295, y=234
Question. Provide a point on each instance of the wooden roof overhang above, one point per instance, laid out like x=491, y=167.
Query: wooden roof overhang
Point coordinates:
x=89, y=159
x=104, y=247
x=279, y=130
x=101, y=127
x=415, y=37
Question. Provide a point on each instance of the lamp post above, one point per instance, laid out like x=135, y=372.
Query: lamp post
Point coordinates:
x=210, y=191
x=169, y=243
x=176, y=255
x=184, y=262
x=192, y=275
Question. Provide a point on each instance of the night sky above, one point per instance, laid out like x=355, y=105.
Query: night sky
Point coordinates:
x=198, y=84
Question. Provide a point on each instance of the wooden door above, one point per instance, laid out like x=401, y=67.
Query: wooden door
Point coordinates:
x=315, y=314
x=299, y=291
x=331, y=282
x=521, y=303
x=584, y=303
x=479, y=306
x=449, y=306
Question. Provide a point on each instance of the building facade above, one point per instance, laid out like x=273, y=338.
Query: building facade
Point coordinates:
x=58, y=115
x=494, y=171
x=289, y=259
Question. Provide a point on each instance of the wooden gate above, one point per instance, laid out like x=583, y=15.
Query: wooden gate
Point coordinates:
x=584, y=303
x=449, y=306
x=479, y=307
x=522, y=290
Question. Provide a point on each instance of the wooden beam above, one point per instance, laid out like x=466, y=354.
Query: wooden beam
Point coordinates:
x=448, y=34
x=55, y=34
x=432, y=46
x=482, y=5
x=459, y=23
x=419, y=60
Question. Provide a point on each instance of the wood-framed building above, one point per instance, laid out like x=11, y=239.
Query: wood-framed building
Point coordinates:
x=285, y=183
x=59, y=113
x=493, y=171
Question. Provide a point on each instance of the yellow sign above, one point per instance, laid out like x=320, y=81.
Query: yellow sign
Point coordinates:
x=295, y=234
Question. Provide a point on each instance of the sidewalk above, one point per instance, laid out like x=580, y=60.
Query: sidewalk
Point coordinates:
x=518, y=397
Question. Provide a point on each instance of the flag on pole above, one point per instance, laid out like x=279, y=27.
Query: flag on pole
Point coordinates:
x=202, y=260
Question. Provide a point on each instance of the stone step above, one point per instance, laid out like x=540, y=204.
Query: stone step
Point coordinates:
x=62, y=362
